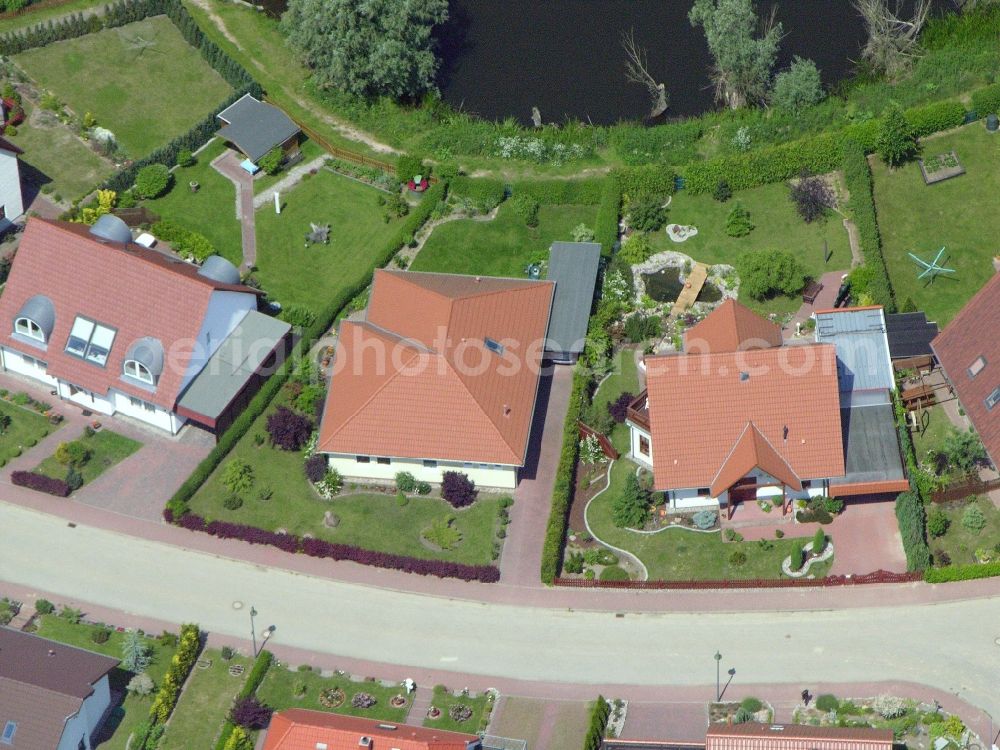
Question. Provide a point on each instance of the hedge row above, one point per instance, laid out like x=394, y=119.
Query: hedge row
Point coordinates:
x=598, y=724
x=181, y=665
x=819, y=154
x=562, y=493
x=178, y=504
x=608, y=214
x=913, y=530
x=858, y=176
x=586, y=192
x=40, y=482
x=986, y=101
x=485, y=194
x=951, y=573
x=649, y=180
x=320, y=548
x=256, y=676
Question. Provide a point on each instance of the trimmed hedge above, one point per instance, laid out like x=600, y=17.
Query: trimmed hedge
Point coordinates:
x=652, y=180
x=256, y=676
x=562, y=492
x=858, y=176
x=986, y=101
x=40, y=482
x=485, y=194
x=608, y=215
x=586, y=191
x=912, y=529
x=598, y=724
x=170, y=687
x=952, y=573
x=935, y=117
x=320, y=548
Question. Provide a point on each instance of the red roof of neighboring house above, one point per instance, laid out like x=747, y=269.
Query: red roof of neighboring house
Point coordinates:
x=415, y=379
x=137, y=291
x=731, y=327
x=975, y=333
x=755, y=736
x=300, y=729
x=713, y=416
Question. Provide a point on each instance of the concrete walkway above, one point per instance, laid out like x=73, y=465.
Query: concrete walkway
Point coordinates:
x=293, y=178
x=228, y=165
x=824, y=301
x=421, y=703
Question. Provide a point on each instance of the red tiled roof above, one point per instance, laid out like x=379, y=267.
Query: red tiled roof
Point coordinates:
x=756, y=736
x=885, y=487
x=700, y=406
x=415, y=379
x=137, y=291
x=974, y=333
x=731, y=327
x=300, y=729
x=753, y=451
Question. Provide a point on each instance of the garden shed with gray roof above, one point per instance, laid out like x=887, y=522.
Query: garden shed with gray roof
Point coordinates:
x=255, y=127
x=573, y=266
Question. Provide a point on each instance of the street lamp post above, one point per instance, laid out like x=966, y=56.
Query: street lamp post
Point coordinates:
x=253, y=631
x=718, y=679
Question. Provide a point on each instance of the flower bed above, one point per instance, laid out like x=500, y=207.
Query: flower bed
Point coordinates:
x=332, y=698
x=941, y=167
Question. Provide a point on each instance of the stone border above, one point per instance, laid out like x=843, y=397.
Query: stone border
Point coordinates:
x=619, y=550
x=940, y=175
x=786, y=566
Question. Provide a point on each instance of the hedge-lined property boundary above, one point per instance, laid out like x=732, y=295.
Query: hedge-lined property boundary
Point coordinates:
x=189, y=646
x=260, y=666
x=878, y=576
x=598, y=724
x=952, y=573
x=608, y=213
x=40, y=483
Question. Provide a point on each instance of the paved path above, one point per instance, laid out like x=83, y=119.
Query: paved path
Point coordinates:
x=522, y=554
x=293, y=178
x=824, y=301
x=857, y=257
x=228, y=165
x=952, y=644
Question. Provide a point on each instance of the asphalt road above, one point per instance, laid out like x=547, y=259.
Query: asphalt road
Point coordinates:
x=954, y=646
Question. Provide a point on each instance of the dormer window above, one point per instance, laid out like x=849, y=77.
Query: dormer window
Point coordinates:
x=90, y=341
x=138, y=371
x=29, y=328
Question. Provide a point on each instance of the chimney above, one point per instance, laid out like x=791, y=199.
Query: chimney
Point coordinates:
x=506, y=410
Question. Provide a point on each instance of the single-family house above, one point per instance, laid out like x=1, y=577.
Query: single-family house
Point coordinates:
x=440, y=374
x=52, y=695
x=11, y=200
x=969, y=352
x=116, y=327
x=740, y=416
x=302, y=729
x=573, y=266
x=254, y=127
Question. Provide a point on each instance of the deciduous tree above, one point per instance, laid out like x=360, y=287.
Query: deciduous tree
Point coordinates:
x=797, y=87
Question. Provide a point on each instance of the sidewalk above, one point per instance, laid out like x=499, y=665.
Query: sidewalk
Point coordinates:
x=228, y=165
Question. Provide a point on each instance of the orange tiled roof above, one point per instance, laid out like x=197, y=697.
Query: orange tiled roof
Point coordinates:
x=753, y=451
x=731, y=327
x=700, y=407
x=300, y=729
x=415, y=379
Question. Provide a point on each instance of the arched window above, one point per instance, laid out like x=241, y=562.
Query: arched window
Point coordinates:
x=139, y=371
x=28, y=327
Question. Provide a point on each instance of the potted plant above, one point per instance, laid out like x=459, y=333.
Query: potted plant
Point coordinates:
x=194, y=186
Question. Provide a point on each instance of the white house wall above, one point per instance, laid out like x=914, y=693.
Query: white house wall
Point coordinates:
x=16, y=362
x=500, y=477
x=224, y=313
x=10, y=188
x=157, y=416
x=82, y=725
x=635, y=432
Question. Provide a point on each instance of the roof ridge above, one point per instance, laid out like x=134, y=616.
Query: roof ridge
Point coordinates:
x=778, y=453
x=732, y=450
x=392, y=334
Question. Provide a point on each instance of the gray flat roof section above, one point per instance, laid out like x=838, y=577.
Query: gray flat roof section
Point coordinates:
x=871, y=446
x=863, y=361
x=573, y=266
x=232, y=364
x=910, y=334
x=255, y=126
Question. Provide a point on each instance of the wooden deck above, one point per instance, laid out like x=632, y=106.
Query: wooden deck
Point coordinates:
x=692, y=288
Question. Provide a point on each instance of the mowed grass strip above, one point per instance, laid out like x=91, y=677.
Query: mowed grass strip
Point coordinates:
x=106, y=448
x=25, y=426
x=283, y=688
x=142, y=81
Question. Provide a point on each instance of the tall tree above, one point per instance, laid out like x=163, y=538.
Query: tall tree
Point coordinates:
x=631, y=508
x=637, y=71
x=892, y=39
x=798, y=87
x=743, y=61
x=368, y=48
x=135, y=652
x=896, y=143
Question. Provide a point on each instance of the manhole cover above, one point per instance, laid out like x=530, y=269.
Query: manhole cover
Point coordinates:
x=237, y=605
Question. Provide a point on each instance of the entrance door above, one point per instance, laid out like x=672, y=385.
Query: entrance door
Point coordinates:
x=744, y=490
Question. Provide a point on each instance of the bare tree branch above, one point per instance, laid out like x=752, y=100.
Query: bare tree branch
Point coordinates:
x=637, y=71
x=893, y=41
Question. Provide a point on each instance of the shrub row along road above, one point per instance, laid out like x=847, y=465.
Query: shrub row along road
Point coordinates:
x=954, y=645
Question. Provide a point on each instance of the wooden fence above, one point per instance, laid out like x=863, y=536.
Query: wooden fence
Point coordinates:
x=964, y=488
x=606, y=446
x=879, y=576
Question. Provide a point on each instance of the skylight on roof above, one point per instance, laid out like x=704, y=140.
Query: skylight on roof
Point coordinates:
x=977, y=367
x=993, y=399
x=90, y=341
x=494, y=346
x=7, y=738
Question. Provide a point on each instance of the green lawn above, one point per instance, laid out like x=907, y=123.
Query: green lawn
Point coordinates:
x=444, y=701
x=279, y=691
x=961, y=543
x=959, y=214
x=777, y=226
x=309, y=149
x=369, y=520
x=141, y=81
x=26, y=428
x=501, y=247
x=202, y=708
x=211, y=211
x=135, y=710
x=674, y=554
x=54, y=156
x=106, y=448
x=934, y=428
x=624, y=378
x=312, y=276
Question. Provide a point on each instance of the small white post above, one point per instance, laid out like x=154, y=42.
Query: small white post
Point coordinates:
x=277, y=202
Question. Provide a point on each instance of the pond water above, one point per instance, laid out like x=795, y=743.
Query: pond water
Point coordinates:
x=665, y=286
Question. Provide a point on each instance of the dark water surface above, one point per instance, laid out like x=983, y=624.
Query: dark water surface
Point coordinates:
x=666, y=286
x=501, y=57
